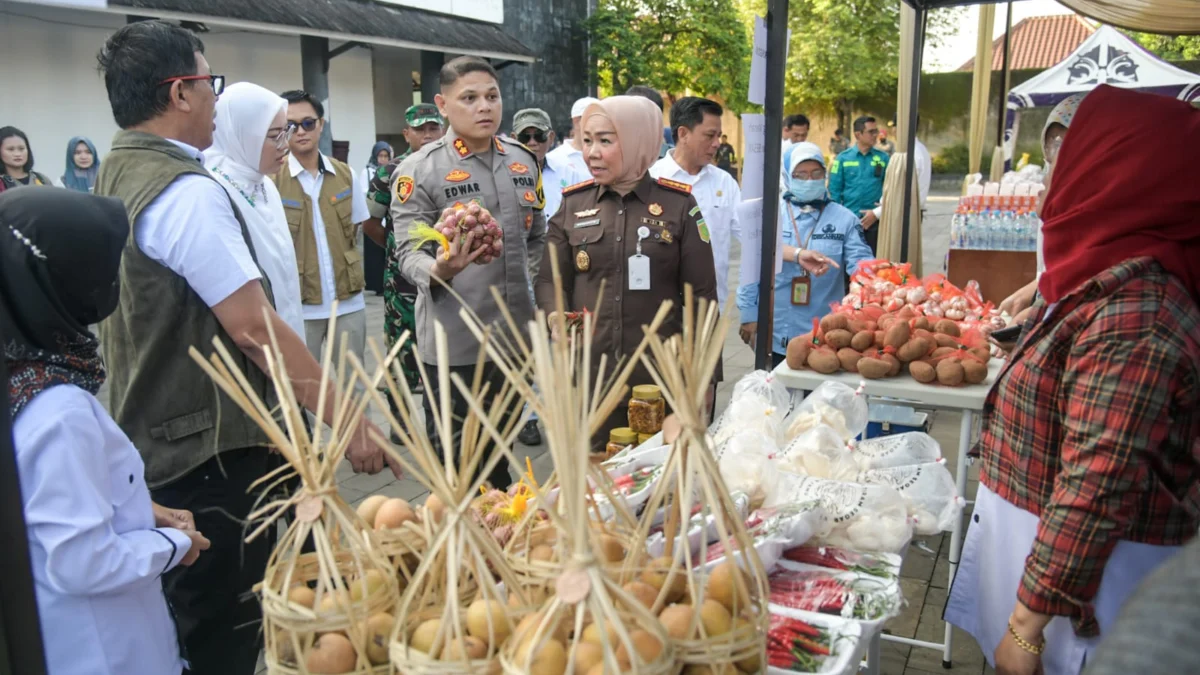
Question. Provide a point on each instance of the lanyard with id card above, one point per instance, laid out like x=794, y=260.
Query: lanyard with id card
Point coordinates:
x=639, y=265
x=802, y=285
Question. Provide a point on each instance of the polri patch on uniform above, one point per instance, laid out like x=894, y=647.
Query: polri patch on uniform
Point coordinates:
x=461, y=147
x=517, y=167
x=530, y=196
x=587, y=223
x=586, y=212
x=702, y=227
x=675, y=185
x=404, y=188
x=457, y=176
x=528, y=220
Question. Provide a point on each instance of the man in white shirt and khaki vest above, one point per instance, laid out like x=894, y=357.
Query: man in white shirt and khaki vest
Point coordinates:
x=696, y=127
x=325, y=203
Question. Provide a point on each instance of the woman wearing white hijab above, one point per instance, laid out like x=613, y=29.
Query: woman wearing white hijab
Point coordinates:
x=249, y=144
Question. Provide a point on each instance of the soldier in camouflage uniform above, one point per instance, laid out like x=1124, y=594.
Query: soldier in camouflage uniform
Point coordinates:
x=425, y=125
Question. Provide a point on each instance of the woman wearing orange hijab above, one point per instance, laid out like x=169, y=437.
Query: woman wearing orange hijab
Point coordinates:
x=1091, y=434
x=643, y=239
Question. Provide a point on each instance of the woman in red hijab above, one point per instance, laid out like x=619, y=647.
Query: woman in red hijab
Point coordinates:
x=1091, y=435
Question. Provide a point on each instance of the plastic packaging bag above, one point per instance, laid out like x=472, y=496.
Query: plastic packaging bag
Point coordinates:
x=832, y=404
x=819, y=452
x=933, y=501
x=774, y=530
x=746, y=464
x=759, y=402
x=906, y=449
x=865, y=518
x=829, y=644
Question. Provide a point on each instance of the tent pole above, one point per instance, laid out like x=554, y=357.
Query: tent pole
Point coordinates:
x=910, y=134
x=777, y=18
x=1004, y=79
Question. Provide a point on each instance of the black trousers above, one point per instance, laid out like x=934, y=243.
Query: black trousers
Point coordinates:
x=218, y=618
x=499, y=477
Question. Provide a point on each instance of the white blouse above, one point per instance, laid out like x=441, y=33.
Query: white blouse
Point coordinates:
x=97, y=558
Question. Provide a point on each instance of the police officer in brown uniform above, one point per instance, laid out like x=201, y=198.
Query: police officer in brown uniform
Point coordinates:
x=470, y=163
x=644, y=239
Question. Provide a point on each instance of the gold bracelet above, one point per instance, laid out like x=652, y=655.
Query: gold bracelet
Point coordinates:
x=1028, y=646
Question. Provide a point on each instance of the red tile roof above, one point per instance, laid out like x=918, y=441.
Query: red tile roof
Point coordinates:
x=1039, y=42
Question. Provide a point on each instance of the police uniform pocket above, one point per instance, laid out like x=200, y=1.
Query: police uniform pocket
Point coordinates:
x=580, y=236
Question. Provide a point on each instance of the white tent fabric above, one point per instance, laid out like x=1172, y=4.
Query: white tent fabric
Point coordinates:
x=1107, y=57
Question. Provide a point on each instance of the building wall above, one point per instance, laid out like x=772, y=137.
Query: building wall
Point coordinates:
x=552, y=30
x=56, y=93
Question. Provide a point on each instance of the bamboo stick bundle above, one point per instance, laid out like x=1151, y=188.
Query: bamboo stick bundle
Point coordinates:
x=453, y=614
x=721, y=619
x=588, y=624
x=324, y=611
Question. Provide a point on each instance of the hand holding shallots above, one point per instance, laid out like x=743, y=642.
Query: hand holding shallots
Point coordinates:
x=473, y=219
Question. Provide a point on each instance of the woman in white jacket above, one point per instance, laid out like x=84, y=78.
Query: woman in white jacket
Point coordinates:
x=98, y=546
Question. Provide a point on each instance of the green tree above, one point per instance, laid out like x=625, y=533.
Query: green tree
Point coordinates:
x=1171, y=47
x=699, y=46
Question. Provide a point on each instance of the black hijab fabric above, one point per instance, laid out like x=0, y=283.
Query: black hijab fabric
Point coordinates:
x=60, y=253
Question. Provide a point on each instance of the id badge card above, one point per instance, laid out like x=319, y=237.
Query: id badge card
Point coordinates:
x=800, y=291
x=639, y=273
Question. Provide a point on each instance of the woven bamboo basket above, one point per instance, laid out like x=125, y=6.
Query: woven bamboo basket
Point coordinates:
x=588, y=619
x=462, y=600
x=344, y=590
x=694, y=504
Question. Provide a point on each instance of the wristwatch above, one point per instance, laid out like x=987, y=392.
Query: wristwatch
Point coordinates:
x=798, y=252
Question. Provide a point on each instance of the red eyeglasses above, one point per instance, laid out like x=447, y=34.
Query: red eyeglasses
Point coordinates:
x=217, y=81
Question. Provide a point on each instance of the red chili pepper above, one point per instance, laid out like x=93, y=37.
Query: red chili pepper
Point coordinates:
x=812, y=647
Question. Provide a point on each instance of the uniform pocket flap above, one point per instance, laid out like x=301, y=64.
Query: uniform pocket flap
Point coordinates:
x=353, y=256
x=585, y=235
x=183, y=426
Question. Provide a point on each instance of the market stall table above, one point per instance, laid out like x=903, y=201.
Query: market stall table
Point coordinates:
x=966, y=399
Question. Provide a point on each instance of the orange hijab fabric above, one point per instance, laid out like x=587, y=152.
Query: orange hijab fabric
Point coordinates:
x=639, y=131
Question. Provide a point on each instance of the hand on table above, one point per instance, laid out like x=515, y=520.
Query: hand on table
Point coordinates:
x=1021, y=299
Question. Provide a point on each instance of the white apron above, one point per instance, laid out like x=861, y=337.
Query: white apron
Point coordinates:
x=999, y=538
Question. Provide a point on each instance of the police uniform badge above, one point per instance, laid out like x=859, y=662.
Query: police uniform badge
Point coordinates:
x=517, y=167
x=655, y=209
x=583, y=261
x=461, y=147
x=404, y=188
x=702, y=227
x=457, y=176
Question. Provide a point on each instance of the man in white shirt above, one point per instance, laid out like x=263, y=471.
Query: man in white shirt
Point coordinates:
x=570, y=153
x=924, y=169
x=189, y=275
x=696, y=126
x=328, y=202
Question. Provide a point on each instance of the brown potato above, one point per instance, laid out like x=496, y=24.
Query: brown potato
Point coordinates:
x=871, y=326
x=947, y=327
x=849, y=359
x=856, y=326
x=797, y=351
x=838, y=338
x=944, y=340
x=906, y=312
x=982, y=353
x=897, y=335
x=893, y=363
x=873, y=369
x=835, y=322
x=950, y=372
x=923, y=334
x=912, y=350
x=878, y=339
x=942, y=351
x=974, y=371
x=885, y=322
x=862, y=340
x=922, y=323
x=824, y=361
x=922, y=372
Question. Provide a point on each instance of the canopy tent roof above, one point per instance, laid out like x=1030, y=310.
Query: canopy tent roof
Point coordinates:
x=1107, y=57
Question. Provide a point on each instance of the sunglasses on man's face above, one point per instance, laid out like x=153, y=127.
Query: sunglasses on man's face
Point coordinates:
x=537, y=136
x=307, y=124
x=216, y=81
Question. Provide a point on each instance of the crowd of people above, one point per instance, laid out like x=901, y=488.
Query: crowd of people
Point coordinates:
x=215, y=216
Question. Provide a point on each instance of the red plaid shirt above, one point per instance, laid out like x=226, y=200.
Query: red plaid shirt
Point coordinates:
x=1094, y=426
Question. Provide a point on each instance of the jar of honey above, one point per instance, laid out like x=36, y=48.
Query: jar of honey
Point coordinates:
x=647, y=409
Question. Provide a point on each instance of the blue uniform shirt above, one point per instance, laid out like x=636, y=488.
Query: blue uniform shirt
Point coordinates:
x=856, y=179
x=839, y=237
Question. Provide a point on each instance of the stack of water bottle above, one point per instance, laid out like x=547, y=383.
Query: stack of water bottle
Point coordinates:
x=991, y=221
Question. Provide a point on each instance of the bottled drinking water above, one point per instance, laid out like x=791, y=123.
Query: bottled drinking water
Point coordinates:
x=1007, y=231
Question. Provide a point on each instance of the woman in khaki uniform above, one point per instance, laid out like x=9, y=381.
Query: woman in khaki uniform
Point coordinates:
x=644, y=239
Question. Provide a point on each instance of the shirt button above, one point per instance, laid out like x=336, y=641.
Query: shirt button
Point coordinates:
x=618, y=237
x=617, y=299
x=131, y=479
x=621, y=212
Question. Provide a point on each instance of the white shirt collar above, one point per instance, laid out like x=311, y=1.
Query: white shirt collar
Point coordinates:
x=194, y=152
x=673, y=169
x=295, y=168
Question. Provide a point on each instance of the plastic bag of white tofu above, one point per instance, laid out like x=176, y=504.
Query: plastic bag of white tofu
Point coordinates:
x=819, y=452
x=759, y=402
x=906, y=449
x=746, y=462
x=833, y=404
x=929, y=490
x=868, y=518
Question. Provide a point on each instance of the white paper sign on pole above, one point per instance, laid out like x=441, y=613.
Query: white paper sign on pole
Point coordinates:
x=753, y=155
x=758, y=63
x=750, y=218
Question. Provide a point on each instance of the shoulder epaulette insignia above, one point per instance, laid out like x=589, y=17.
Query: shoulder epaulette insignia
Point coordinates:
x=579, y=186
x=675, y=185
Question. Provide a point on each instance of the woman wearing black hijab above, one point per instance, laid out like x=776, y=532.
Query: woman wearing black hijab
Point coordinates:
x=98, y=545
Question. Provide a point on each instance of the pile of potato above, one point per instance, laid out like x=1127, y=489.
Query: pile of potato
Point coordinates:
x=931, y=350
